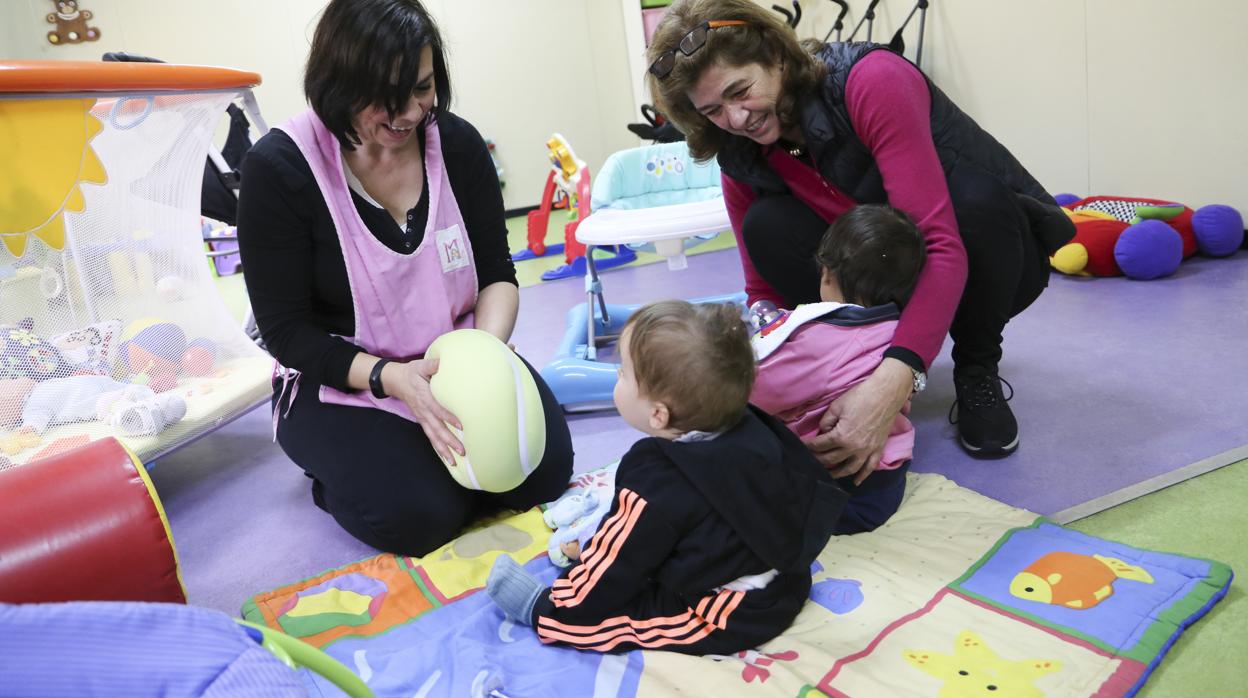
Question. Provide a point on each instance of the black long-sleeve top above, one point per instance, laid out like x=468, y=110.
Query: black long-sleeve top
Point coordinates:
x=295, y=271
x=689, y=517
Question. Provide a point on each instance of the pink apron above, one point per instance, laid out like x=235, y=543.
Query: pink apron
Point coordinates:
x=401, y=302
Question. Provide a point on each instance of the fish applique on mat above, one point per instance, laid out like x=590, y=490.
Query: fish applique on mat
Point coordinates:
x=1073, y=580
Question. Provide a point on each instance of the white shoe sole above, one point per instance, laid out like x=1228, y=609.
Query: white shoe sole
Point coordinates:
x=1003, y=451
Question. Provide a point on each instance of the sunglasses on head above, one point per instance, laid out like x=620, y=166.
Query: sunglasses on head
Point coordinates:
x=689, y=45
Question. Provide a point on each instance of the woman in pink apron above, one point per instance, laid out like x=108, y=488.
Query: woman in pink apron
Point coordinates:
x=370, y=225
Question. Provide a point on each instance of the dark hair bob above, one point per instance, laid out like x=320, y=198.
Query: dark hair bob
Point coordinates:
x=357, y=49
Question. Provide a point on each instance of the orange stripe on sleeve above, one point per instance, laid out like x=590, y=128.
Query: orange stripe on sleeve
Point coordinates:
x=733, y=599
x=598, y=542
x=620, y=513
x=586, y=583
x=603, y=540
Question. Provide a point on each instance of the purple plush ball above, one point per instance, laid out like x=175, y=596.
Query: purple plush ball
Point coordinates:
x=1149, y=250
x=1066, y=199
x=1219, y=230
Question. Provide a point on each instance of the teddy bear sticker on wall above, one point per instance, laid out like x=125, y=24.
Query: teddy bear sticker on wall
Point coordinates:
x=71, y=24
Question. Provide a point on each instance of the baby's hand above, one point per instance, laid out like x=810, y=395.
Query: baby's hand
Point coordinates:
x=572, y=549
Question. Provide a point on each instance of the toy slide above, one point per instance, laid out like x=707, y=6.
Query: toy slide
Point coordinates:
x=955, y=588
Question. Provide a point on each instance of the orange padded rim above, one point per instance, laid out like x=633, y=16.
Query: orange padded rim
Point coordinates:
x=88, y=76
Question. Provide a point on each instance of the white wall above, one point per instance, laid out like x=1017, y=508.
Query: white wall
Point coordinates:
x=1168, y=99
x=1126, y=97
x=524, y=69
x=1018, y=68
x=1130, y=97
x=521, y=69
x=266, y=37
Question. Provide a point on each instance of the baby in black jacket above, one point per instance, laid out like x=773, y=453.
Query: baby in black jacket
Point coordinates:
x=717, y=515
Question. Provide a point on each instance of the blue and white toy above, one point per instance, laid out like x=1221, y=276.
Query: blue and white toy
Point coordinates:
x=575, y=516
x=573, y=523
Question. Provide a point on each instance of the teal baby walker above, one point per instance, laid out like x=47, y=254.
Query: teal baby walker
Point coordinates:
x=653, y=198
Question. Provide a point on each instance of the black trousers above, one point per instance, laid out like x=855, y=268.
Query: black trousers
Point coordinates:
x=379, y=477
x=872, y=503
x=1007, y=266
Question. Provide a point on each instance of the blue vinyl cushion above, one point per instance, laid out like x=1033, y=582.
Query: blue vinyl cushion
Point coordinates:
x=134, y=649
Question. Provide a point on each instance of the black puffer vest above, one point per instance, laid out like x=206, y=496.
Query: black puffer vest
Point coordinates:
x=845, y=161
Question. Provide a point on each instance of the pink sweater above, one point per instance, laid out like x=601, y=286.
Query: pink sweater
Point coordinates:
x=889, y=105
x=818, y=363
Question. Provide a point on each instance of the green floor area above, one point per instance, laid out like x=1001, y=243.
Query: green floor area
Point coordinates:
x=529, y=272
x=1204, y=517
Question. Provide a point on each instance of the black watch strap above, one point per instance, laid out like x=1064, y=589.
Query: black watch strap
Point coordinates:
x=374, y=380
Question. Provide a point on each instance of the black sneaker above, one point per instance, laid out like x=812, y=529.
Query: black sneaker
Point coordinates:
x=986, y=426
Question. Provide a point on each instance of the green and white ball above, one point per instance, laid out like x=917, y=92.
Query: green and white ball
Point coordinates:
x=485, y=385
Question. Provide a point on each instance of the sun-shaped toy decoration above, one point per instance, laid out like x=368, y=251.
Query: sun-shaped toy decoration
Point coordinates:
x=45, y=155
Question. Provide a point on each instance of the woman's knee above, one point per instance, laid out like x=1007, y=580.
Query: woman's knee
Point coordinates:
x=780, y=235
x=551, y=477
x=778, y=224
x=549, y=480
x=555, y=468
x=990, y=220
x=406, y=526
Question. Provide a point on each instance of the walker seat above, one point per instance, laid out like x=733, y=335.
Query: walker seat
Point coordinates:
x=654, y=197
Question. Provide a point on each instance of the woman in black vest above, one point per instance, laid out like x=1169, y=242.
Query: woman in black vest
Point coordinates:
x=805, y=131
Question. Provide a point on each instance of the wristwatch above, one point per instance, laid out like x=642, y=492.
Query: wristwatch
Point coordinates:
x=374, y=380
x=920, y=380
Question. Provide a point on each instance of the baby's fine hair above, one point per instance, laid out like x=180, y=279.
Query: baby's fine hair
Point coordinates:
x=875, y=253
x=696, y=359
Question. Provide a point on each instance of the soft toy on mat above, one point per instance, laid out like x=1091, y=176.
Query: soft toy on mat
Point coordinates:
x=1142, y=238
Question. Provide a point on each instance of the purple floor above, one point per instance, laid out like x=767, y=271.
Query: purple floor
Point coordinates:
x=1118, y=381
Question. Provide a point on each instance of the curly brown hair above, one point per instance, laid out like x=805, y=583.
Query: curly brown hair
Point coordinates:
x=696, y=359
x=765, y=40
x=875, y=253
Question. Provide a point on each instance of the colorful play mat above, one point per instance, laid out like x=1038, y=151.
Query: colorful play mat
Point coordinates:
x=957, y=595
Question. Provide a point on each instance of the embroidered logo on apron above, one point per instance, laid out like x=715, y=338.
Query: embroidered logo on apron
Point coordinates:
x=451, y=249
